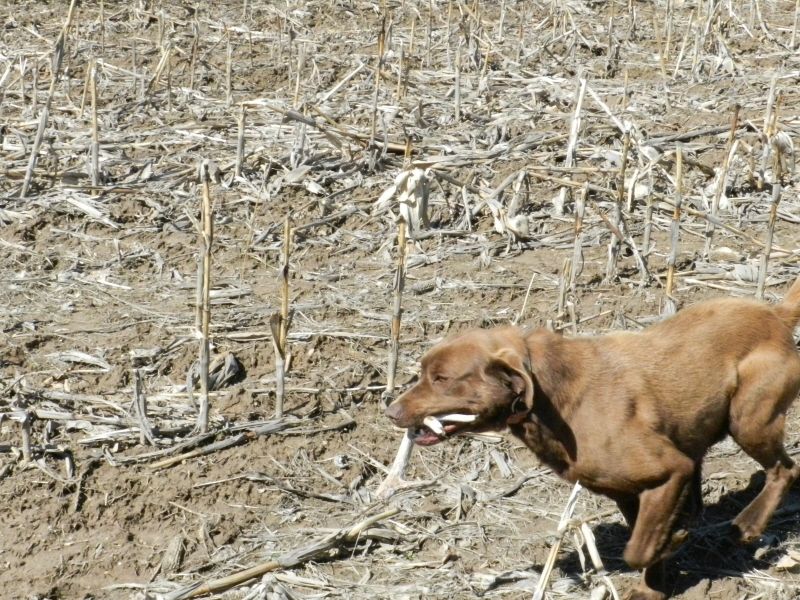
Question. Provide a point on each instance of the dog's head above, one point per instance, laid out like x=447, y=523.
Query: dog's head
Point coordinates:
x=477, y=381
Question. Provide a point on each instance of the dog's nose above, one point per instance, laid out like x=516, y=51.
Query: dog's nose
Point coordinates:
x=394, y=411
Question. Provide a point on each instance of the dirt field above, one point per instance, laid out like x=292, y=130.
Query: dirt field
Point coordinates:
x=99, y=262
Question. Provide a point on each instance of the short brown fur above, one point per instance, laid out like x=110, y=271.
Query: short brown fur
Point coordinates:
x=631, y=415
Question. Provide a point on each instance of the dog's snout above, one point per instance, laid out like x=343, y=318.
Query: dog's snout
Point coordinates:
x=394, y=411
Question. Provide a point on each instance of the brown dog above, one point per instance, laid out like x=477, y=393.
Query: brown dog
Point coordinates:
x=629, y=415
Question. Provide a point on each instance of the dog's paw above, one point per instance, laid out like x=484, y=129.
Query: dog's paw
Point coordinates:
x=641, y=593
x=745, y=535
x=745, y=531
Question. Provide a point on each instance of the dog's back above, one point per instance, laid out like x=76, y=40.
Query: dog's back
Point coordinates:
x=679, y=377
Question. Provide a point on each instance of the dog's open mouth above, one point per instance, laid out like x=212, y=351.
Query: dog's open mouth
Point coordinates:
x=435, y=429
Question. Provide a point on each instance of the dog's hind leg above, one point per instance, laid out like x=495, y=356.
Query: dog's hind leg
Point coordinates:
x=780, y=472
x=757, y=418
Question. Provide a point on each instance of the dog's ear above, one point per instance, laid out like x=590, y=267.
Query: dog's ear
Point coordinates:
x=510, y=366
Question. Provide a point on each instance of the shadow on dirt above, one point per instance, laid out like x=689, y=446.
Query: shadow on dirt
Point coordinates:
x=711, y=552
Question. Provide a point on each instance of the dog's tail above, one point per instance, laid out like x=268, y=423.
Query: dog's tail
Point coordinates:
x=789, y=308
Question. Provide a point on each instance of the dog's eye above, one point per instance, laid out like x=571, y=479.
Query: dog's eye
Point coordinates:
x=439, y=378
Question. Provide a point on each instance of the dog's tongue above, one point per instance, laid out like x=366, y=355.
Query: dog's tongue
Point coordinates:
x=425, y=437
x=434, y=431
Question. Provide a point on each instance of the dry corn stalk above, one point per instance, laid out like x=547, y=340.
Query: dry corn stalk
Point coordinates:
x=378, y=67
x=204, y=292
x=394, y=479
x=616, y=242
x=563, y=287
x=279, y=323
x=563, y=523
x=140, y=410
x=648, y=227
x=780, y=146
x=27, y=453
x=767, y=132
x=58, y=59
x=320, y=549
x=240, y=141
x=574, y=130
x=675, y=229
x=397, y=307
x=720, y=187
x=577, y=250
x=94, y=164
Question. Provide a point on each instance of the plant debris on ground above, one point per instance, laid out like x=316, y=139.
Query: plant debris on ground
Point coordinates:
x=585, y=166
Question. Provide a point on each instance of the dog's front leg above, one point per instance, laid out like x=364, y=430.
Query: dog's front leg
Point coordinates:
x=653, y=579
x=653, y=584
x=652, y=538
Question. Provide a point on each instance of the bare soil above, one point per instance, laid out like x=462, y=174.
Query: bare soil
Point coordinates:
x=97, y=282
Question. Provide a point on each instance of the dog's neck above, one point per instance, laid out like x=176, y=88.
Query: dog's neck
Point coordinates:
x=546, y=430
x=549, y=436
x=553, y=360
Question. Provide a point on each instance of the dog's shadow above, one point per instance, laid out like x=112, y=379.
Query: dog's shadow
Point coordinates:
x=712, y=551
